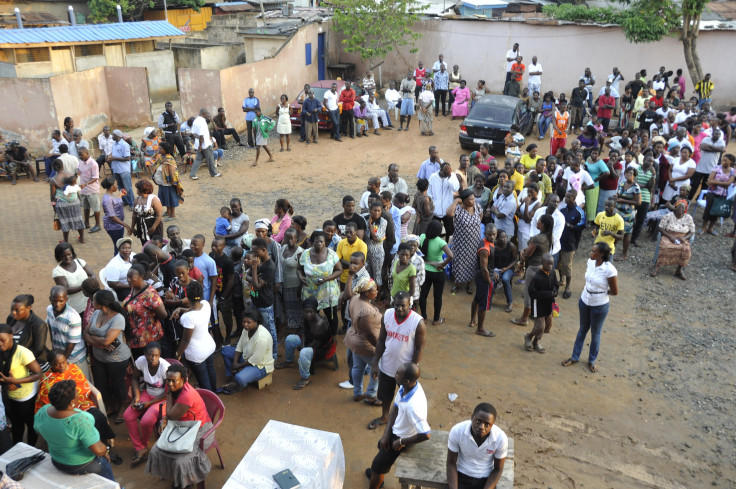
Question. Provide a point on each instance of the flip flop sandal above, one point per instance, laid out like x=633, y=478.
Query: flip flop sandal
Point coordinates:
x=469, y=290
x=569, y=362
x=438, y=321
x=566, y=294
x=372, y=401
x=376, y=423
x=509, y=308
x=487, y=334
x=518, y=323
x=592, y=368
x=300, y=385
x=139, y=459
x=223, y=390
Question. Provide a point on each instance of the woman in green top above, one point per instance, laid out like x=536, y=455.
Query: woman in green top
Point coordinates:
x=646, y=182
x=19, y=372
x=432, y=247
x=597, y=170
x=404, y=274
x=74, y=443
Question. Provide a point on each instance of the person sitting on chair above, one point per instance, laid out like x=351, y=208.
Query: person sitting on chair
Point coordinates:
x=317, y=344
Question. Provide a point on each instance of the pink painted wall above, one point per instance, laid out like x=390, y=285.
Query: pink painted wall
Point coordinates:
x=83, y=96
x=127, y=90
x=197, y=89
x=28, y=113
x=479, y=49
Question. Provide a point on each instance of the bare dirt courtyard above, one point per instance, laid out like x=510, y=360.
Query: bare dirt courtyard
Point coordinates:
x=659, y=414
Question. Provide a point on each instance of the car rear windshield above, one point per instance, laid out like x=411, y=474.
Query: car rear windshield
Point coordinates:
x=494, y=113
x=319, y=93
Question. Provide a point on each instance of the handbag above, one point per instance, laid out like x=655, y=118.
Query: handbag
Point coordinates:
x=555, y=310
x=57, y=224
x=721, y=207
x=178, y=436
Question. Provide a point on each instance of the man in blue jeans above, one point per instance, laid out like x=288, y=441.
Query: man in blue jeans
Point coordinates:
x=330, y=102
x=262, y=279
x=119, y=161
x=505, y=260
x=250, y=360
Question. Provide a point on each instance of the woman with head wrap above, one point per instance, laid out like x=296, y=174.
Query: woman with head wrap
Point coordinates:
x=466, y=213
x=673, y=248
x=316, y=343
x=362, y=336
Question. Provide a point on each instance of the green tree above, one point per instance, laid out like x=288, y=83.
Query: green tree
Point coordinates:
x=651, y=20
x=374, y=28
x=106, y=11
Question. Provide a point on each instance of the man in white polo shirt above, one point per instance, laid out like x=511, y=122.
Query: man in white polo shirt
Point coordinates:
x=407, y=423
x=476, y=451
x=203, y=145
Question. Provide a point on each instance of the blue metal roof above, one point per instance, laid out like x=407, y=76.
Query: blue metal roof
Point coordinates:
x=90, y=33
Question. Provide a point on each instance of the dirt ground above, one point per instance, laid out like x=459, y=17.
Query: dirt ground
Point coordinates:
x=656, y=415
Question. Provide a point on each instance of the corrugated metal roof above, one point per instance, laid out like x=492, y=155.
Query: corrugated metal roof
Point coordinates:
x=90, y=33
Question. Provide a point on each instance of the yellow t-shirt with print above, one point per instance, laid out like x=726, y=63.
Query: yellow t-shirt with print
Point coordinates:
x=614, y=223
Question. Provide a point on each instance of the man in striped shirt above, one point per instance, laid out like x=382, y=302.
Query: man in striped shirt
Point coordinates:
x=65, y=326
x=704, y=88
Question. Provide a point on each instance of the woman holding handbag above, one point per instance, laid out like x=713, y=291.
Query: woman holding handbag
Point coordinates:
x=183, y=403
x=719, y=181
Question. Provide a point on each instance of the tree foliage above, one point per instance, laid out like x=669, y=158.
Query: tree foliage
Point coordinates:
x=374, y=28
x=106, y=10
x=646, y=21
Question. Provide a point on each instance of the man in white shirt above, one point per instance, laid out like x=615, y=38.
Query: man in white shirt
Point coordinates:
x=442, y=188
x=711, y=149
x=407, y=424
x=70, y=162
x=683, y=115
x=373, y=187
x=330, y=101
x=375, y=112
x=511, y=55
x=476, y=451
x=535, y=77
x=504, y=208
x=551, y=208
x=56, y=141
x=432, y=165
x=104, y=142
x=203, y=145
x=392, y=182
x=679, y=139
x=393, y=98
x=438, y=64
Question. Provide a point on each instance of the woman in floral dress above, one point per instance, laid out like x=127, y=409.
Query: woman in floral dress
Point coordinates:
x=466, y=214
x=319, y=268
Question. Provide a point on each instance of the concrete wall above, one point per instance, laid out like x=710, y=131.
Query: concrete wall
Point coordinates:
x=161, y=72
x=130, y=103
x=219, y=57
x=32, y=108
x=7, y=70
x=28, y=113
x=42, y=69
x=284, y=73
x=257, y=49
x=89, y=62
x=84, y=96
x=479, y=48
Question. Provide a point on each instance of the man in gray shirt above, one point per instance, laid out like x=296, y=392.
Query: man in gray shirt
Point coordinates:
x=711, y=149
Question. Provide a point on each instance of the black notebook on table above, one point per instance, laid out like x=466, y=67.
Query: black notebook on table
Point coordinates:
x=286, y=480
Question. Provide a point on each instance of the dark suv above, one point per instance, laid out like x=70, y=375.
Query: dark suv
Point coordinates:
x=490, y=120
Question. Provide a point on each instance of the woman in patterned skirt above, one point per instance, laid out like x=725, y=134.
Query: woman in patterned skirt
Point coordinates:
x=466, y=214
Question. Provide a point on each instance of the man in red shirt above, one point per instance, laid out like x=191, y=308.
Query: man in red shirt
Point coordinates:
x=517, y=72
x=419, y=74
x=606, y=104
x=347, y=97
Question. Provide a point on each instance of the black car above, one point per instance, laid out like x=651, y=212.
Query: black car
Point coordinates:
x=490, y=120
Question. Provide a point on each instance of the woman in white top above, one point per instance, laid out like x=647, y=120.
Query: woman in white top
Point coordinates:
x=197, y=346
x=152, y=369
x=680, y=172
x=600, y=283
x=251, y=360
x=71, y=272
x=527, y=207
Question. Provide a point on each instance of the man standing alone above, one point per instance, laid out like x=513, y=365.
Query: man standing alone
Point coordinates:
x=203, y=146
x=169, y=122
x=250, y=104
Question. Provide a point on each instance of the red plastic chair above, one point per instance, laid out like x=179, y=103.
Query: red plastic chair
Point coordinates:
x=216, y=410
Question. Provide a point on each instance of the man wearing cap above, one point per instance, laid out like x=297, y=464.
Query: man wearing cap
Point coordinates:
x=119, y=161
x=203, y=146
x=169, y=122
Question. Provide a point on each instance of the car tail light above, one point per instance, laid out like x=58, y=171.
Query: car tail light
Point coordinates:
x=463, y=130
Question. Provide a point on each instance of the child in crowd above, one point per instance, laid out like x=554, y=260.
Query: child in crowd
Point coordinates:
x=223, y=223
x=513, y=141
x=236, y=255
x=401, y=201
x=247, y=257
x=329, y=227
x=194, y=272
x=403, y=273
x=542, y=290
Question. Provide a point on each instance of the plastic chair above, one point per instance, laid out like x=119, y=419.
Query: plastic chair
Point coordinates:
x=103, y=280
x=216, y=410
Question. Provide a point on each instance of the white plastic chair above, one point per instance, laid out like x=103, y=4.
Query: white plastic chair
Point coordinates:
x=103, y=280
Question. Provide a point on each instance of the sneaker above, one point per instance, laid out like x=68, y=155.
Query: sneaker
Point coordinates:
x=345, y=385
x=195, y=177
x=218, y=174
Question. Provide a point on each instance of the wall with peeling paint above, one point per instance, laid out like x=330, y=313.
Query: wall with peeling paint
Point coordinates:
x=106, y=95
x=28, y=113
x=286, y=72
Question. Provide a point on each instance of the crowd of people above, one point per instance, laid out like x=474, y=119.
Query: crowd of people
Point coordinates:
x=157, y=317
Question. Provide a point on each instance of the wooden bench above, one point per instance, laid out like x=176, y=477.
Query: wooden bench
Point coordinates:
x=423, y=465
x=267, y=380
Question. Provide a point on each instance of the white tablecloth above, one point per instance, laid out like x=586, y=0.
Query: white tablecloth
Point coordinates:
x=44, y=475
x=315, y=457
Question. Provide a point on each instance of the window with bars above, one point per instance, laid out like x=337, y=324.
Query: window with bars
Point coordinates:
x=32, y=55
x=88, y=50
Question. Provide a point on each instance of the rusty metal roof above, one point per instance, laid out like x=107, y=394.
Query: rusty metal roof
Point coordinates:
x=90, y=33
x=726, y=9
